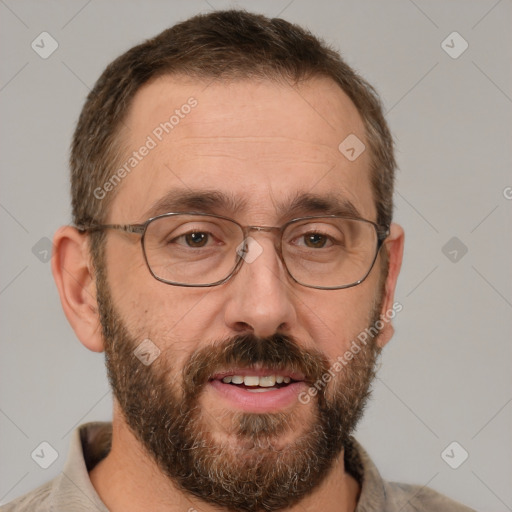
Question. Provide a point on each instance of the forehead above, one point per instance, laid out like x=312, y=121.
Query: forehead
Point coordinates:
x=259, y=145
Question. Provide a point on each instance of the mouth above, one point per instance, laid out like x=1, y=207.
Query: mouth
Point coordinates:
x=258, y=390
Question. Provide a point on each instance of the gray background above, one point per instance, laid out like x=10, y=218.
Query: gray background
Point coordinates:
x=445, y=376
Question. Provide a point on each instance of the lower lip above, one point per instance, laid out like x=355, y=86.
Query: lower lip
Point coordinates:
x=266, y=401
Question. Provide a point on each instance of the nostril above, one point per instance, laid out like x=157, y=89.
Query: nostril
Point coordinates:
x=243, y=328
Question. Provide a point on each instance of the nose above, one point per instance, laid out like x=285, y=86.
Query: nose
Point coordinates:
x=260, y=294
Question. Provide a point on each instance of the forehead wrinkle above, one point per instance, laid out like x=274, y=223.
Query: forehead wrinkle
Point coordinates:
x=233, y=147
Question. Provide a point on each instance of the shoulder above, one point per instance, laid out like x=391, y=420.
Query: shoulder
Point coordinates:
x=414, y=498
x=37, y=500
x=57, y=495
x=379, y=495
x=71, y=490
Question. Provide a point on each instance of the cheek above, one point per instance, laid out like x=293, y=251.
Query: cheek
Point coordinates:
x=173, y=319
x=137, y=294
x=176, y=319
x=333, y=319
x=127, y=272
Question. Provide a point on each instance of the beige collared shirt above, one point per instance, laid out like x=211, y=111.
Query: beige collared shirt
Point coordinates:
x=72, y=490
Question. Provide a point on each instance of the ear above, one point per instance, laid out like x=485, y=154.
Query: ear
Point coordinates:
x=394, y=245
x=74, y=275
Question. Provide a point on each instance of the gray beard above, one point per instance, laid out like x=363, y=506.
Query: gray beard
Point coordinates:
x=249, y=471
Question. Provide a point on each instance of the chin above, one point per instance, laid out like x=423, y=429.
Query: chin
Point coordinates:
x=249, y=433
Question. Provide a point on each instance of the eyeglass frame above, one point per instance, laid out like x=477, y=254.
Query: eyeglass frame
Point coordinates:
x=382, y=232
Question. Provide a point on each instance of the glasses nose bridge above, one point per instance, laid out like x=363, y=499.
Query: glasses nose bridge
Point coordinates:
x=275, y=230
x=265, y=229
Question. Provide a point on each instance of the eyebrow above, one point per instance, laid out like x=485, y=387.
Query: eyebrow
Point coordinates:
x=222, y=203
x=205, y=201
x=325, y=204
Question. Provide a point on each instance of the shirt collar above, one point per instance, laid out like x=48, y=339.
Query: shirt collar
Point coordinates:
x=91, y=442
x=73, y=485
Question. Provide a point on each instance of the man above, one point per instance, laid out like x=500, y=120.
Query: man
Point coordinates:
x=233, y=255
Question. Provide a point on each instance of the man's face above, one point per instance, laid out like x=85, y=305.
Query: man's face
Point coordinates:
x=262, y=145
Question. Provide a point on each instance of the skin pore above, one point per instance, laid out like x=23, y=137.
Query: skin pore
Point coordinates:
x=262, y=145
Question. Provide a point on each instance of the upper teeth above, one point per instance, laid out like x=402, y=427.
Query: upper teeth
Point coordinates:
x=253, y=380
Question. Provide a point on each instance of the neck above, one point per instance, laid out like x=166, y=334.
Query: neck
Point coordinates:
x=129, y=480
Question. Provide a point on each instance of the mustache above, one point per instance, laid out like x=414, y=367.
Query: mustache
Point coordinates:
x=276, y=352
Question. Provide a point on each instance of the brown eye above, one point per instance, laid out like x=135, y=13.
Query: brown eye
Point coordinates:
x=196, y=239
x=315, y=240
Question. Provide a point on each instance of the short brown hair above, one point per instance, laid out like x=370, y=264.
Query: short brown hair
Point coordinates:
x=226, y=45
